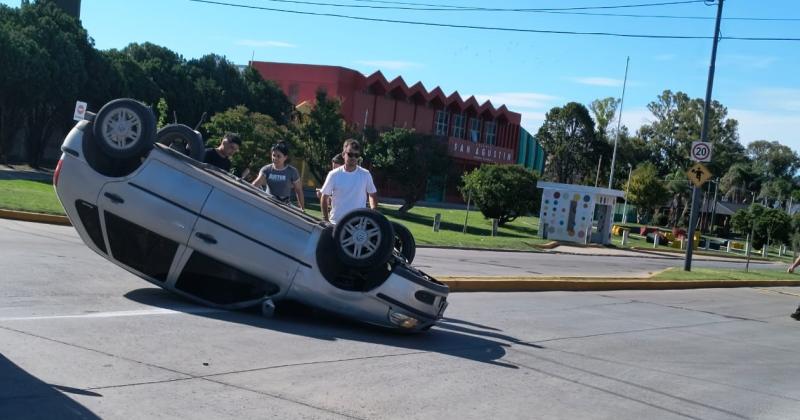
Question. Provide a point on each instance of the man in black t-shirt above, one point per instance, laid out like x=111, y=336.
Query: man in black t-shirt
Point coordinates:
x=221, y=155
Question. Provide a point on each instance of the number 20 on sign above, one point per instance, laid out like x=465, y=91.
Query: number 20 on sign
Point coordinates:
x=701, y=151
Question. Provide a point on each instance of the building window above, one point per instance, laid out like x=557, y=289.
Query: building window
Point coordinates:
x=442, y=122
x=474, y=130
x=459, y=123
x=491, y=134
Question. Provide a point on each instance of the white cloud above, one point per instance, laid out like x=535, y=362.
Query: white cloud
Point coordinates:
x=633, y=118
x=389, y=64
x=777, y=99
x=531, y=121
x=514, y=100
x=767, y=125
x=598, y=81
x=532, y=105
x=745, y=62
x=264, y=43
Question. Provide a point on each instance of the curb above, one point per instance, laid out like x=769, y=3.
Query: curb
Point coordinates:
x=678, y=254
x=528, y=284
x=35, y=217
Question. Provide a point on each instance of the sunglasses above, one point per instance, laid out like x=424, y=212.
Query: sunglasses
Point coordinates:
x=353, y=155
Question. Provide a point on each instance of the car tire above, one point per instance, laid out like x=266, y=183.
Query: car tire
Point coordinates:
x=363, y=238
x=404, y=242
x=124, y=129
x=183, y=139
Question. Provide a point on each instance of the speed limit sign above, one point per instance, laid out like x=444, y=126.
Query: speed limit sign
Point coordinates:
x=701, y=151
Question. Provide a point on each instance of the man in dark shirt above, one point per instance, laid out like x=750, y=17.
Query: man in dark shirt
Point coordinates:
x=221, y=155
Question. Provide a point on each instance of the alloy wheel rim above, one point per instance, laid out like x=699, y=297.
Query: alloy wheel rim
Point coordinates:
x=122, y=128
x=361, y=238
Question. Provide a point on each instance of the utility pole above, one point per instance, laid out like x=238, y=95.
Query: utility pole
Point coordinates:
x=619, y=121
x=627, y=187
x=714, y=212
x=597, y=177
x=687, y=265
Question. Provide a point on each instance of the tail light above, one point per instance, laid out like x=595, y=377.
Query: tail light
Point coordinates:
x=57, y=172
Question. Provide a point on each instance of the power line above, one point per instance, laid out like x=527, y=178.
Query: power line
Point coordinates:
x=673, y=16
x=489, y=28
x=443, y=8
x=565, y=11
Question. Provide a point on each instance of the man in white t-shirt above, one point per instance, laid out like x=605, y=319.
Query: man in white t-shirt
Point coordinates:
x=348, y=186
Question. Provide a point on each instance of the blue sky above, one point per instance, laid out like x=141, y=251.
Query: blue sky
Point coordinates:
x=529, y=72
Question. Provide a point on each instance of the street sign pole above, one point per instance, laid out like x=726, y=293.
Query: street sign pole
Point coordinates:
x=687, y=265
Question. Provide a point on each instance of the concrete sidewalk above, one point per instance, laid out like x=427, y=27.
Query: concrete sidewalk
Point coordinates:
x=24, y=172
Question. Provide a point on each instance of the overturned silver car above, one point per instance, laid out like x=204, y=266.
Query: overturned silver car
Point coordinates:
x=190, y=228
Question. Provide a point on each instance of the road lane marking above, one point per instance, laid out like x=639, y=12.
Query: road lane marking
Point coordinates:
x=117, y=314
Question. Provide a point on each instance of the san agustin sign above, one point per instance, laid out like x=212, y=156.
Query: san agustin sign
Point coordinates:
x=477, y=151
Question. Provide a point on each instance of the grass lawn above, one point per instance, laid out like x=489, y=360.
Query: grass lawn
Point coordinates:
x=33, y=196
x=517, y=235
x=520, y=234
x=725, y=274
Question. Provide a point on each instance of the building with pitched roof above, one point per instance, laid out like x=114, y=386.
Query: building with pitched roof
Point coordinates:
x=475, y=132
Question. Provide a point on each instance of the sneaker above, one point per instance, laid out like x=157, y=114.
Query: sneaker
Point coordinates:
x=796, y=314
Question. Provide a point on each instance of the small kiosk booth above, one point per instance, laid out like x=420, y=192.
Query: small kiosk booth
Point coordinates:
x=577, y=213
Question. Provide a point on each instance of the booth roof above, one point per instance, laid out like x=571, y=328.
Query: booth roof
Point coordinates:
x=580, y=189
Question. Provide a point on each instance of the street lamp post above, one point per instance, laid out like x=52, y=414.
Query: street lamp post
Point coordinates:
x=625, y=206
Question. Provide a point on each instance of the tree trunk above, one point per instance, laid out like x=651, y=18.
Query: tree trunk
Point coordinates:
x=407, y=205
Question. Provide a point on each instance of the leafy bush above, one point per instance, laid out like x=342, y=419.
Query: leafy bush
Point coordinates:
x=768, y=225
x=502, y=192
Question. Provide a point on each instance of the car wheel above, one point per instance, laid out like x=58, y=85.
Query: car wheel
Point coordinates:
x=404, y=241
x=124, y=129
x=183, y=139
x=363, y=238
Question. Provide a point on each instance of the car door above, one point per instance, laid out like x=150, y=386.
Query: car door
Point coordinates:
x=149, y=216
x=231, y=262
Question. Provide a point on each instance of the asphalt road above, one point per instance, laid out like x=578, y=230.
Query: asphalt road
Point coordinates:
x=81, y=338
x=625, y=264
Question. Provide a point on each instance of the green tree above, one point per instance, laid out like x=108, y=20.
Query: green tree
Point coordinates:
x=56, y=49
x=168, y=77
x=646, y=191
x=21, y=84
x=502, y=192
x=775, y=225
x=568, y=136
x=776, y=191
x=677, y=123
x=266, y=97
x=258, y=132
x=739, y=181
x=767, y=225
x=132, y=80
x=772, y=159
x=680, y=189
x=161, y=112
x=321, y=134
x=409, y=159
x=743, y=220
x=630, y=151
x=604, y=111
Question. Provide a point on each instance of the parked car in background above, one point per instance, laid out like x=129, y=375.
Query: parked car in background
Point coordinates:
x=141, y=199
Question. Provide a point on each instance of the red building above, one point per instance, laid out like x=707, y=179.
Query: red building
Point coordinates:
x=475, y=132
